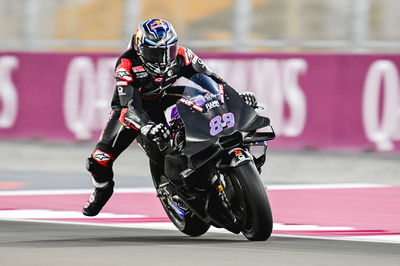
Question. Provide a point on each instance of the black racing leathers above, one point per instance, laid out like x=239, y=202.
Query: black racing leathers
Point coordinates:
x=150, y=96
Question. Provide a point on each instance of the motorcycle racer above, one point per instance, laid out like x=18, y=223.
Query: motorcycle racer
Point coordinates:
x=144, y=77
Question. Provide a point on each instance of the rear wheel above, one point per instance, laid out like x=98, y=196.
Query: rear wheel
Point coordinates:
x=177, y=212
x=251, y=205
x=182, y=218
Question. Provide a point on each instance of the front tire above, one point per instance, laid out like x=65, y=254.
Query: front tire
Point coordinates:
x=252, y=206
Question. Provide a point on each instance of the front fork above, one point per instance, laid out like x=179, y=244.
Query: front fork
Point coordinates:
x=235, y=158
x=218, y=181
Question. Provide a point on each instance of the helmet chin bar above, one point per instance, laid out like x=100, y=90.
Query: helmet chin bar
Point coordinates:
x=157, y=59
x=157, y=69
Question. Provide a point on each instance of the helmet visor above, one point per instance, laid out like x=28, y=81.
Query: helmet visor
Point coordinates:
x=159, y=55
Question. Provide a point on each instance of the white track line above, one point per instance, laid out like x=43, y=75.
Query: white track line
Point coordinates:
x=391, y=239
x=152, y=190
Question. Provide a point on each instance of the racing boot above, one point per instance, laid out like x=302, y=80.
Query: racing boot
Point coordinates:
x=98, y=199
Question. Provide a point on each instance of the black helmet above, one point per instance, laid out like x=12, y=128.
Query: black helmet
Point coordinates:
x=156, y=43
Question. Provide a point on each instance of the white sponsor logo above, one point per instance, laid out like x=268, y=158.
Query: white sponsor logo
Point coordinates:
x=276, y=85
x=122, y=83
x=382, y=127
x=197, y=60
x=8, y=92
x=212, y=104
x=88, y=90
x=101, y=156
x=138, y=69
x=121, y=91
x=124, y=74
x=190, y=104
x=142, y=74
x=185, y=101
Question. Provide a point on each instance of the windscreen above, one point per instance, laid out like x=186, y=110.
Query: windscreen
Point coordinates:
x=203, y=91
x=210, y=111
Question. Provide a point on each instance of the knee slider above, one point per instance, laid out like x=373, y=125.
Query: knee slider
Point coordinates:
x=100, y=173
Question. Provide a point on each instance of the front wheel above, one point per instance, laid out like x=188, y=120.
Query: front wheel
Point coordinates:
x=251, y=205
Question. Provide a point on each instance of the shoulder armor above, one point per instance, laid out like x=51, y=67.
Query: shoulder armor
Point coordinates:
x=123, y=70
x=187, y=55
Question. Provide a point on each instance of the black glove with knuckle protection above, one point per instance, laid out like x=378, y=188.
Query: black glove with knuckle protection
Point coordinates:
x=156, y=132
x=249, y=98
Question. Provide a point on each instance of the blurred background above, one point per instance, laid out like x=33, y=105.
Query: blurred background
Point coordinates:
x=223, y=25
x=326, y=71
x=321, y=68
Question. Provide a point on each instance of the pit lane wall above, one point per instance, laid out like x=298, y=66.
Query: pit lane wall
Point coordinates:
x=322, y=101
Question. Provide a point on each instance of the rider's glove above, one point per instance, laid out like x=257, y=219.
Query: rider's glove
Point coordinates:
x=249, y=98
x=155, y=132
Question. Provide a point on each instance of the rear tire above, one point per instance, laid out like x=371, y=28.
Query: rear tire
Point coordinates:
x=189, y=224
x=252, y=205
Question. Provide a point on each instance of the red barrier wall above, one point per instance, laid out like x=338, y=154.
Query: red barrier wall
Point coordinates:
x=323, y=101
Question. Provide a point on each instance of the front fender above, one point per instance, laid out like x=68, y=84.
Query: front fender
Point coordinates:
x=235, y=157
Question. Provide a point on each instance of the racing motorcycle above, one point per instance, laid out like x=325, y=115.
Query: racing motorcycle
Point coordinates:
x=206, y=175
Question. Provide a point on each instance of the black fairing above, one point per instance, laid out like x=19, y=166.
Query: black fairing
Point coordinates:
x=200, y=145
x=174, y=165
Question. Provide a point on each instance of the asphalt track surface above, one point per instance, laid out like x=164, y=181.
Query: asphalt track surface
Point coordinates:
x=33, y=166
x=28, y=243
